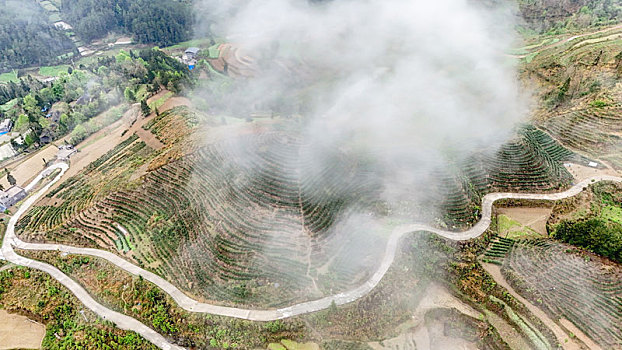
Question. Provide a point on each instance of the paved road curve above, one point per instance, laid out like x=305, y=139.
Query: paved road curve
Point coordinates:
x=125, y=322
x=120, y=320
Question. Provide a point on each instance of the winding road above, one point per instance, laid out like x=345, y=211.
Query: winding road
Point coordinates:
x=11, y=241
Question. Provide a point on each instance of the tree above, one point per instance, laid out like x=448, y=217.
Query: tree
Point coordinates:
x=129, y=94
x=10, y=177
x=144, y=107
x=30, y=106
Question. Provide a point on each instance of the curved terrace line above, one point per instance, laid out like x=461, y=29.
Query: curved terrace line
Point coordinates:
x=189, y=304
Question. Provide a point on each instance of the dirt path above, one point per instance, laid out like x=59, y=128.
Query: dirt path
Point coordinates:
x=563, y=338
x=19, y=332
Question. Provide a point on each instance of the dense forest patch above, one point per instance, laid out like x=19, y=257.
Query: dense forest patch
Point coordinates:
x=160, y=22
x=27, y=39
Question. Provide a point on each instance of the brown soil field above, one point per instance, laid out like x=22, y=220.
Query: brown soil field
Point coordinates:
x=29, y=168
x=534, y=218
x=582, y=172
x=19, y=332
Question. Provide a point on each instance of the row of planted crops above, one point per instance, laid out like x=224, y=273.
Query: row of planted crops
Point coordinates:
x=594, y=131
x=569, y=285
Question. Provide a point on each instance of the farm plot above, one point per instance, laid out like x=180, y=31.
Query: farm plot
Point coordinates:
x=596, y=132
x=569, y=285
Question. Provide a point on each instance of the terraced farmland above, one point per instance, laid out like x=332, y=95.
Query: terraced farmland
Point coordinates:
x=596, y=132
x=569, y=285
x=253, y=219
x=532, y=162
x=229, y=222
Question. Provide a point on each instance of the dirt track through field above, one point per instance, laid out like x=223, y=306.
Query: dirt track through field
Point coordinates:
x=125, y=322
x=566, y=342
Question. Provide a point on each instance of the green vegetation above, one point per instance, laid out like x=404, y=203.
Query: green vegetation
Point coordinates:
x=512, y=229
x=53, y=71
x=9, y=77
x=93, y=19
x=596, y=235
x=26, y=37
x=505, y=223
x=37, y=295
x=541, y=17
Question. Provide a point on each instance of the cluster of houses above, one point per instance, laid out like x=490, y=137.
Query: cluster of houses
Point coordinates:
x=14, y=194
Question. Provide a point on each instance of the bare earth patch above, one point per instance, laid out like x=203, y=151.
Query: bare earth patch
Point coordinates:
x=19, y=332
x=28, y=169
x=582, y=172
x=534, y=218
x=424, y=337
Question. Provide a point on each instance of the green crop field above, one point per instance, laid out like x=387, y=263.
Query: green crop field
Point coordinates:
x=9, y=77
x=53, y=71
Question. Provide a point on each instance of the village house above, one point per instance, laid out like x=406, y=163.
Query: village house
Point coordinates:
x=11, y=196
x=191, y=53
x=6, y=126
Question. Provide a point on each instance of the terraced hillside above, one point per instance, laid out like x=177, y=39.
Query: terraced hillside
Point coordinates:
x=569, y=285
x=532, y=162
x=595, y=131
x=230, y=221
x=252, y=218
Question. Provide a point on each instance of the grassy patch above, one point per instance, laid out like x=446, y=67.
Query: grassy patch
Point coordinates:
x=292, y=345
x=48, y=6
x=53, y=71
x=612, y=213
x=196, y=43
x=5, y=107
x=159, y=102
x=54, y=18
x=141, y=93
x=213, y=51
x=531, y=56
x=525, y=232
x=9, y=77
x=510, y=228
x=505, y=223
